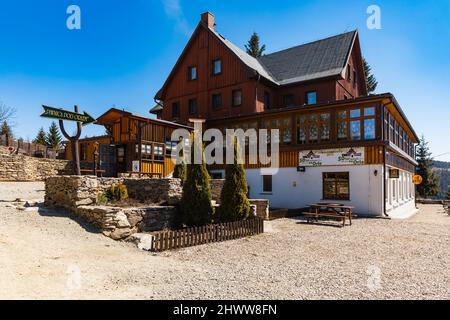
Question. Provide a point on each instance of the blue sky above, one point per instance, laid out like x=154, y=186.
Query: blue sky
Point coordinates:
x=125, y=49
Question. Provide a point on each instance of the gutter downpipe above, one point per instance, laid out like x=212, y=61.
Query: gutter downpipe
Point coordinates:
x=384, y=165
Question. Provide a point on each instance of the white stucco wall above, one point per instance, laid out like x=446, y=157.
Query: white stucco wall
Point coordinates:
x=292, y=189
x=400, y=195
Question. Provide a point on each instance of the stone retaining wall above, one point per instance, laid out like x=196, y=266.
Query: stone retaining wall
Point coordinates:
x=158, y=199
x=19, y=167
x=262, y=207
x=119, y=223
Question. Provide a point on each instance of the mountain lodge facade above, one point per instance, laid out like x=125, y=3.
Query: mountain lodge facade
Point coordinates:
x=337, y=143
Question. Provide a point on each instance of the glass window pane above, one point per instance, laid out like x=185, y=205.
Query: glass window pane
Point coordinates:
x=369, y=111
x=311, y=97
x=342, y=115
x=324, y=132
x=267, y=183
x=313, y=133
x=217, y=68
x=356, y=113
x=324, y=117
x=301, y=120
x=369, y=129
x=301, y=135
x=342, y=130
x=287, y=135
x=355, y=130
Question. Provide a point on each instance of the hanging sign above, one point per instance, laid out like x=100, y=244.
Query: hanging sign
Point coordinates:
x=417, y=179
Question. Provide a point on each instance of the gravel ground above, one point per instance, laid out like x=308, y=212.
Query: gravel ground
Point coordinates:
x=52, y=255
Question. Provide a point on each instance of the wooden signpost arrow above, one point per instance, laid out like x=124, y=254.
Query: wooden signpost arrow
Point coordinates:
x=54, y=113
x=80, y=119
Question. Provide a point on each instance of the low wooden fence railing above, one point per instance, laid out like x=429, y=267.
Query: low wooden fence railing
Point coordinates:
x=187, y=237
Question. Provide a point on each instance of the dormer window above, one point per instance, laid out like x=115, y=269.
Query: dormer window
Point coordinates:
x=175, y=110
x=288, y=100
x=217, y=67
x=311, y=97
x=192, y=73
x=349, y=74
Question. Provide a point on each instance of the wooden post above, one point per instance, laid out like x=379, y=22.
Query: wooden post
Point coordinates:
x=74, y=142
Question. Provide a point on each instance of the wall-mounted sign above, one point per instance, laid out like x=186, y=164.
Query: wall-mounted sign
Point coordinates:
x=54, y=113
x=417, y=179
x=394, y=173
x=135, y=167
x=301, y=169
x=332, y=157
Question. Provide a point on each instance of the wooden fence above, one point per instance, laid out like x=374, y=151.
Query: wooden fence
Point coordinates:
x=20, y=146
x=174, y=239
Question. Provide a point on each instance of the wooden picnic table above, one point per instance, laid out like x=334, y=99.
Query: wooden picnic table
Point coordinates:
x=89, y=171
x=330, y=210
x=148, y=174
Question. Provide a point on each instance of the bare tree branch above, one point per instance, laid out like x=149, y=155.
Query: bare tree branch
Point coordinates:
x=6, y=112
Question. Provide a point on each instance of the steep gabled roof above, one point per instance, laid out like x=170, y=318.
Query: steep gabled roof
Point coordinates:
x=247, y=59
x=314, y=60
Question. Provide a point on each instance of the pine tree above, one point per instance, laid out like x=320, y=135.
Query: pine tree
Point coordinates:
x=41, y=137
x=5, y=129
x=234, y=204
x=180, y=169
x=253, y=47
x=196, y=208
x=371, y=81
x=54, y=139
x=430, y=183
x=447, y=196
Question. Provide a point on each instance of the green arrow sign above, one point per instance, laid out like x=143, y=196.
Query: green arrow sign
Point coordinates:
x=54, y=113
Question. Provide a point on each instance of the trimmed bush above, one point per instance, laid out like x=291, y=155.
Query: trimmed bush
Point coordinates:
x=117, y=192
x=102, y=199
x=195, y=207
x=180, y=170
x=234, y=203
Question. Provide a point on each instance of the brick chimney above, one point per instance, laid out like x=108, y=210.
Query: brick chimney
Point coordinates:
x=208, y=19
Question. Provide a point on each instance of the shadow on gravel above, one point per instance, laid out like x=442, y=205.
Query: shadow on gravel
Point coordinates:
x=322, y=222
x=61, y=213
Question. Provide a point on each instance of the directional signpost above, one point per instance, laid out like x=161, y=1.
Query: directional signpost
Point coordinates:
x=60, y=114
x=81, y=120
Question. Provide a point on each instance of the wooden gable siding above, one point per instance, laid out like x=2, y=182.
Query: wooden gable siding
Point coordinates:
x=203, y=48
x=344, y=87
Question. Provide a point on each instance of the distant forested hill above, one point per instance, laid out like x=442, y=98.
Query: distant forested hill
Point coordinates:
x=442, y=170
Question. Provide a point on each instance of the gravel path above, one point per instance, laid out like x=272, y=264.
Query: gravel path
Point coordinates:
x=50, y=254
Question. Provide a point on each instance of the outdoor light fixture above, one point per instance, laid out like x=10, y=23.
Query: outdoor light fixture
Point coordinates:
x=375, y=173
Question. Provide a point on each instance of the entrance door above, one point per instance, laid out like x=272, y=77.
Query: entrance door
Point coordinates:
x=108, y=160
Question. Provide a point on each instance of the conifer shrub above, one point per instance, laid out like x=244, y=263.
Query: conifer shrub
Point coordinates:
x=195, y=207
x=234, y=203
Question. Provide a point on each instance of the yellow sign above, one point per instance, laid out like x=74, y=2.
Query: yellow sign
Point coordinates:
x=417, y=179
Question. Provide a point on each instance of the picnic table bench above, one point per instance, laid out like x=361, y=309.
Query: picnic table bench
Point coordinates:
x=329, y=210
x=91, y=171
x=147, y=174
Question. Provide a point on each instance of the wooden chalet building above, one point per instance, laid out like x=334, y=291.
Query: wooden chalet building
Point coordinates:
x=337, y=144
x=134, y=146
